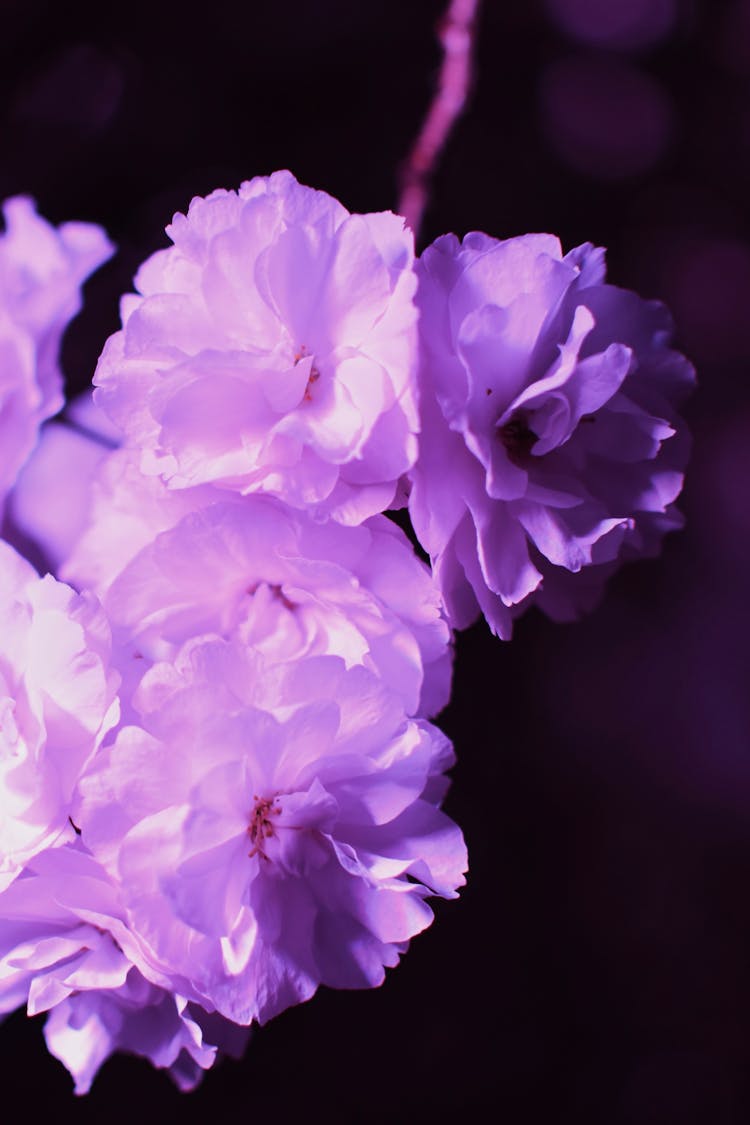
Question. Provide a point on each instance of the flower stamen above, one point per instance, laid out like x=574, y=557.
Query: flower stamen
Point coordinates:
x=303, y=353
x=518, y=438
x=260, y=827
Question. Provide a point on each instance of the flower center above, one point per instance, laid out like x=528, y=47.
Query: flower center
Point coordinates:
x=274, y=589
x=518, y=438
x=303, y=353
x=261, y=825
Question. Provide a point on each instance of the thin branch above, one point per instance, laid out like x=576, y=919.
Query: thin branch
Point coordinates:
x=457, y=33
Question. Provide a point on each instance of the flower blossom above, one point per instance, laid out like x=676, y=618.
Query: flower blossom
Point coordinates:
x=57, y=701
x=271, y=349
x=550, y=442
x=65, y=948
x=274, y=827
x=279, y=581
x=41, y=273
x=168, y=565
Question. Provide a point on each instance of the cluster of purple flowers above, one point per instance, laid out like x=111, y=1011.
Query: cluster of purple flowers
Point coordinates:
x=220, y=779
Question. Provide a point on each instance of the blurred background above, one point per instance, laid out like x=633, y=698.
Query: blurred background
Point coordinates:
x=597, y=967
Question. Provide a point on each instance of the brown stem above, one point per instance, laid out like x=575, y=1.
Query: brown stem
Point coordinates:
x=457, y=32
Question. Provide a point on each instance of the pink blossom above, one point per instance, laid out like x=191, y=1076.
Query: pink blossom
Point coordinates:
x=41, y=273
x=171, y=564
x=550, y=440
x=274, y=827
x=66, y=949
x=271, y=349
x=280, y=582
x=57, y=701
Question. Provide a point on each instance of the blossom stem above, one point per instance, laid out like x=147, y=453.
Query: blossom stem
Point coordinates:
x=457, y=34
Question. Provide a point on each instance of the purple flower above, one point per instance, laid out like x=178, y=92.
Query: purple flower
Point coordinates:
x=550, y=442
x=280, y=582
x=272, y=350
x=273, y=826
x=65, y=948
x=41, y=273
x=169, y=565
x=57, y=701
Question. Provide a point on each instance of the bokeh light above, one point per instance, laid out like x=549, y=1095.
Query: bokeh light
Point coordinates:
x=603, y=117
x=626, y=24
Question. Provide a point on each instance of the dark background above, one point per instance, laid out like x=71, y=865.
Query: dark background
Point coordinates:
x=597, y=966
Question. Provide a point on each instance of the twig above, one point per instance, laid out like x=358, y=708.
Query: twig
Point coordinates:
x=456, y=32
